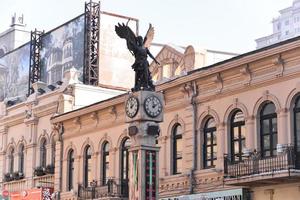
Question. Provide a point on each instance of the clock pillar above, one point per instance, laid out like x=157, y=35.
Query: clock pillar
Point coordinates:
x=144, y=112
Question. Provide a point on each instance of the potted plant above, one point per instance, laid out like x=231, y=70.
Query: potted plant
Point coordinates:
x=50, y=169
x=8, y=177
x=18, y=175
x=39, y=171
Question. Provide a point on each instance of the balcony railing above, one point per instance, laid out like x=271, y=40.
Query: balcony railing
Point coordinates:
x=113, y=188
x=256, y=164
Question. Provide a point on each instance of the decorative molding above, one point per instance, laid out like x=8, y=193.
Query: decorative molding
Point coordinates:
x=217, y=79
x=279, y=64
x=113, y=111
x=246, y=73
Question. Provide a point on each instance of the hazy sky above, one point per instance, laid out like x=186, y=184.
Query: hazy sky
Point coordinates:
x=227, y=25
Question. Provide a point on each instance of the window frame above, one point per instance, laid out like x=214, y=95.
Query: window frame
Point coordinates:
x=269, y=118
x=212, y=146
x=175, y=157
x=233, y=125
x=87, y=157
x=21, y=158
x=43, y=153
x=105, y=161
x=70, y=170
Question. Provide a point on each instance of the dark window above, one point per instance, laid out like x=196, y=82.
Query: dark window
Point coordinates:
x=297, y=123
x=125, y=159
x=177, y=149
x=105, y=162
x=125, y=166
x=11, y=160
x=43, y=153
x=87, y=174
x=21, y=159
x=70, y=170
x=237, y=136
x=210, y=144
x=268, y=130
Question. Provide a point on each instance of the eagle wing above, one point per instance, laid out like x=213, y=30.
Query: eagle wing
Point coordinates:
x=123, y=31
x=149, y=36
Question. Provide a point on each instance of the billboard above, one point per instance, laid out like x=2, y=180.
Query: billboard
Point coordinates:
x=115, y=59
x=14, y=73
x=62, y=49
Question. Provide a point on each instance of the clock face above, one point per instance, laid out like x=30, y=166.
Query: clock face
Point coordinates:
x=132, y=107
x=153, y=106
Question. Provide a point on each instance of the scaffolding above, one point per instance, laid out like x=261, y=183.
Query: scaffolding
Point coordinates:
x=91, y=49
x=34, y=61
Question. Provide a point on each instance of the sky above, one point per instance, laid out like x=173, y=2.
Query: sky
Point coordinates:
x=225, y=25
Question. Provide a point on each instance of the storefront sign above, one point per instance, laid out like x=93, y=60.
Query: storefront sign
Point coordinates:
x=238, y=194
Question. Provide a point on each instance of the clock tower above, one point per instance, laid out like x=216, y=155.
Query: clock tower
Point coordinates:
x=144, y=110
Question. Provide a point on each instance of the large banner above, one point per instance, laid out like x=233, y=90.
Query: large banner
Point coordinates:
x=14, y=73
x=62, y=49
x=115, y=59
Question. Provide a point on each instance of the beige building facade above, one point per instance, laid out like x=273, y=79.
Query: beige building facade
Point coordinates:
x=230, y=130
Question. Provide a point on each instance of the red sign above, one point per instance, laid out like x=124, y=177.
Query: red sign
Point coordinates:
x=5, y=193
x=33, y=194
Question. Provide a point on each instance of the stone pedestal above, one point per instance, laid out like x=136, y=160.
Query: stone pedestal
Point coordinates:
x=144, y=110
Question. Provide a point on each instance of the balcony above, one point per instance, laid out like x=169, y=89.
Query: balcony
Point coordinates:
x=114, y=188
x=257, y=170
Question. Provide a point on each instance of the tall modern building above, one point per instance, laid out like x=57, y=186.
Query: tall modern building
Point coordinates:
x=286, y=26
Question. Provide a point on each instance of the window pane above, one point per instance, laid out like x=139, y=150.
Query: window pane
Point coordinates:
x=179, y=148
x=274, y=136
x=210, y=123
x=208, y=138
x=208, y=153
x=179, y=165
x=214, y=154
x=297, y=103
x=238, y=117
x=214, y=137
x=267, y=142
x=236, y=133
x=90, y=176
x=267, y=153
x=274, y=125
x=243, y=144
x=268, y=109
x=243, y=131
x=236, y=147
x=266, y=126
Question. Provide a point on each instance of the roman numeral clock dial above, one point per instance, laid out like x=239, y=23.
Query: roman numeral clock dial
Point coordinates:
x=132, y=107
x=153, y=106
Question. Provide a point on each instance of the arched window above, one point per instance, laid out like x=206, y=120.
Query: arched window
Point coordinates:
x=105, y=162
x=21, y=159
x=43, y=153
x=70, y=170
x=268, y=130
x=87, y=174
x=297, y=129
x=209, y=143
x=237, y=136
x=11, y=160
x=125, y=159
x=177, y=149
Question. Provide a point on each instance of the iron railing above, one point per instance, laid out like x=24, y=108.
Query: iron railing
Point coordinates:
x=257, y=164
x=113, y=188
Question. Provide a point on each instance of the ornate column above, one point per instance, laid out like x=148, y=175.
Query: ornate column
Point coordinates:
x=163, y=159
x=112, y=163
x=58, y=173
x=220, y=145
